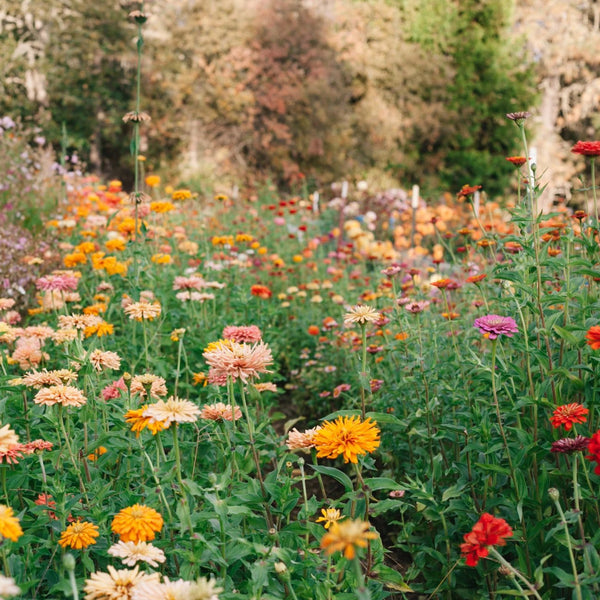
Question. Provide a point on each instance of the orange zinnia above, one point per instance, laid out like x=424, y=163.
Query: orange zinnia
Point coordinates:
x=593, y=337
x=78, y=535
x=347, y=436
x=137, y=523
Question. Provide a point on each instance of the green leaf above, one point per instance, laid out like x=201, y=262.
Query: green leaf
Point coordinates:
x=338, y=475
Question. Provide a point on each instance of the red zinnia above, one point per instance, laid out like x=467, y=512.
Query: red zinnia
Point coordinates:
x=488, y=531
x=476, y=278
x=593, y=337
x=586, y=148
x=518, y=161
x=261, y=291
x=568, y=415
x=467, y=190
x=594, y=450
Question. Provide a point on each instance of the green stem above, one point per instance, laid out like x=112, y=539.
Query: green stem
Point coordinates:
x=507, y=565
x=554, y=495
x=305, y=494
x=180, y=478
x=70, y=451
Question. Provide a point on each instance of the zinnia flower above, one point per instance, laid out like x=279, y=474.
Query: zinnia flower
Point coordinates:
x=174, y=410
x=8, y=438
x=105, y=360
x=8, y=587
x=219, y=411
x=570, y=445
x=594, y=451
x=65, y=395
x=329, y=516
x=115, y=585
x=9, y=524
x=137, y=523
x=346, y=536
x=238, y=361
x=488, y=531
x=568, y=415
x=593, y=337
x=141, y=383
x=242, y=333
x=347, y=436
x=517, y=161
x=301, y=440
x=361, y=314
x=492, y=326
x=80, y=534
x=139, y=422
x=131, y=552
x=586, y=148
x=141, y=311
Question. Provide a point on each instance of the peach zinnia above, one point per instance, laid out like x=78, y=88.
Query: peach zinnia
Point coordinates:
x=137, y=523
x=348, y=437
x=65, y=395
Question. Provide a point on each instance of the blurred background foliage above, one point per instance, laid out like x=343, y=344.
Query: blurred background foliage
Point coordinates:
x=397, y=90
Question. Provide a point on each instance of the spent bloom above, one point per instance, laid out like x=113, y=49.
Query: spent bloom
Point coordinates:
x=492, y=326
x=488, y=531
x=348, y=437
x=569, y=415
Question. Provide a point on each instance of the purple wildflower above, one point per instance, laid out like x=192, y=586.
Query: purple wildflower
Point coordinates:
x=492, y=326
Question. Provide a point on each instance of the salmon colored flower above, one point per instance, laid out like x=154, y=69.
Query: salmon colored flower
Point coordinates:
x=348, y=437
x=488, y=531
x=568, y=415
x=517, y=161
x=261, y=291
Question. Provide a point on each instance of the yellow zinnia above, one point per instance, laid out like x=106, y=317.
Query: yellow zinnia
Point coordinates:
x=79, y=535
x=9, y=524
x=346, y=536
x=347, y=436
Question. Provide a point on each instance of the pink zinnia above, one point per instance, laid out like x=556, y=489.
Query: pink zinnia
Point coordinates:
x=113, y=391
x=193, y=282
x=242, y=333
x=62, y=283
x=491, y=326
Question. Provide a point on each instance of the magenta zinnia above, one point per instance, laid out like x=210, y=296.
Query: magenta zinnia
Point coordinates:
x=492, y=326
